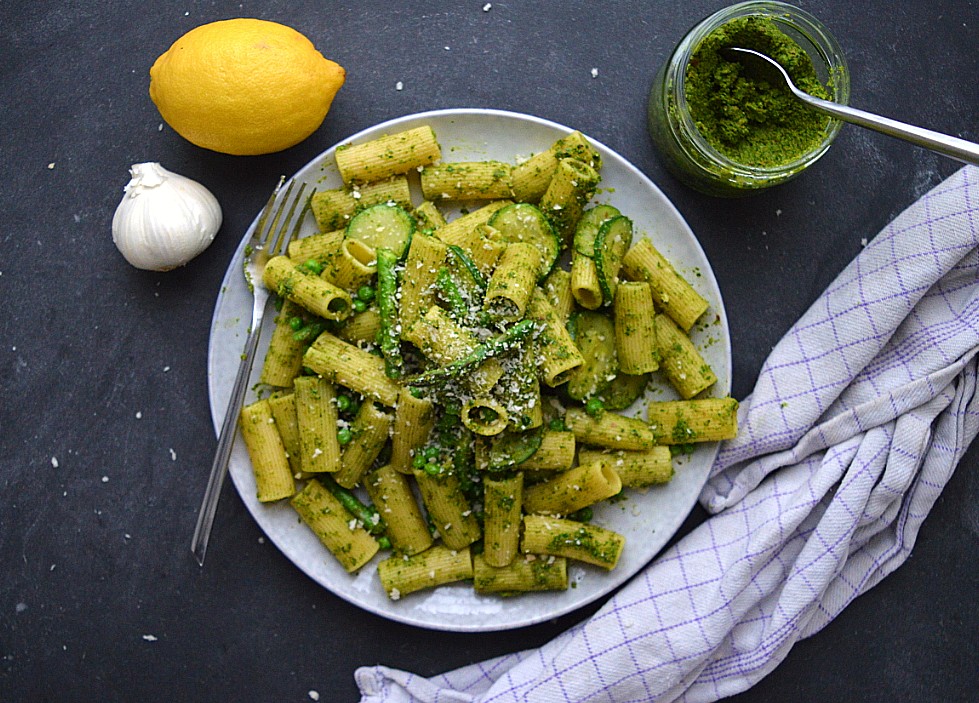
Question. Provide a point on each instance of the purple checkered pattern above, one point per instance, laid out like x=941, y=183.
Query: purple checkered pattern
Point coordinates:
x=855, y=425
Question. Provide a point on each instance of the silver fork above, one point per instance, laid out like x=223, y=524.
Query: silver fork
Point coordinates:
x=267, y=240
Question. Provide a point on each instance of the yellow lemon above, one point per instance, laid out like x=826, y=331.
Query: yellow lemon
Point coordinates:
x=244, y=86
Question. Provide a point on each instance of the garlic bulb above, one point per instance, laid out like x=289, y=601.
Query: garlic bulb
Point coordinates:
x=164, y=219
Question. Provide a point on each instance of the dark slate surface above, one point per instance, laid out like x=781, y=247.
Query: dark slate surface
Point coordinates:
x=103, y=366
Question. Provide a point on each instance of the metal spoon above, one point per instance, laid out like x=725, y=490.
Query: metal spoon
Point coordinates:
x=770, y=69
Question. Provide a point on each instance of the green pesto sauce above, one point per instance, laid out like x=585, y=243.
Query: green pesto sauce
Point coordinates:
x=745, y=118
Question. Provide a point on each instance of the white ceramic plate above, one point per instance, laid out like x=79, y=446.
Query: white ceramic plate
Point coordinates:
x=647, y=520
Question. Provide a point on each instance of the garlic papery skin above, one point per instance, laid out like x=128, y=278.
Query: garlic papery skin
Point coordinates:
x=164, y=219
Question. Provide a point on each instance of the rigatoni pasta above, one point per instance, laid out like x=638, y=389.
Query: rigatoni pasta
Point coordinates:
x=450, y=392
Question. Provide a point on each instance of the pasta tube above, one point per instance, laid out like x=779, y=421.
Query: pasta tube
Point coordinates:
x=435, y=566
x=470, y=180
x=699, y=420
x=557, y=291
x=351, y=367
x=523, y=575
x=448, y=508
x=572, y=490
x=610, y=430
x=557, y=354
x=556, y=452
x=335, y=526
x=284, y=358
x=464, y=230
x=413, y=421
x=428, y=216
x=311, y=292
x=683, y=365
x=353, y=265
x=570, y=189
x=513, y=282
x=273, y=476
x=391, y=494
x=334, y=208
x=573, y=540
x=318, y=247
x=636, y=469
x=283, y=407
x=425, y=256
x=316, y=412
x=531, y=177
x=635, y=329
x=502, y=504
x=369, y=430
x=484, y=416
x=387, y=156
x=671, y=292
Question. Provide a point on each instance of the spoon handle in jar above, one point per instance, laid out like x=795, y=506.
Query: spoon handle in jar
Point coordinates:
x=954, y=147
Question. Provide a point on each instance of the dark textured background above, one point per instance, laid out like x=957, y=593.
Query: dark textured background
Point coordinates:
x=103, y=366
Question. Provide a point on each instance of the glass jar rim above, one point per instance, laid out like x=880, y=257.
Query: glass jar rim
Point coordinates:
x=828, y=56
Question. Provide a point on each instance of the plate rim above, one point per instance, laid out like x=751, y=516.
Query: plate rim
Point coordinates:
x=218, y=409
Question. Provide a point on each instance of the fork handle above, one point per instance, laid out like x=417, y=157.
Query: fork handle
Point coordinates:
x=226, y=440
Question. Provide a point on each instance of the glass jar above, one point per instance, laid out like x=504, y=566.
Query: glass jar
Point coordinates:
x=683, y=148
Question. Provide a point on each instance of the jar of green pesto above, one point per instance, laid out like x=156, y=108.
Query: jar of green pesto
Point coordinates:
x=723, y=130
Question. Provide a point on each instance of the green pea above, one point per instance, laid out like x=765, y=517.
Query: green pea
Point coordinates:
x=384, y=542
x=345, y=436
x=594, y=406
x=343, y=403
x=432, y=469
x=296, y=323
x=365, y=293
x=418, y=461
x=431, y=452
x=313, y=266
x=358, y=305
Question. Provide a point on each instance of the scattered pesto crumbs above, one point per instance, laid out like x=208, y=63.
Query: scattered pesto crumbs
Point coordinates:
x=747, y=119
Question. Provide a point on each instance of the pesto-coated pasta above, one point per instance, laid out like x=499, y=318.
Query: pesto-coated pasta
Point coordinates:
x=334, y=208
x=637, y=469
x=683, y=365
x=435, y=566
x=635, y=329
x=513, y=282
x=671, y=292
x=334, y=525
x=369, y=431
x=572, y=490
x=316, y=413
x=283, y=407
x=270, y=465
x=502, y=508
x=522, y=575
x=448, y=508
x=387, y=156
x=471, y=180
x=447, y=387
x=284, y=358
x=308, y=290
x=413, y=421
x=394, y=500
x=610, y=430
x=351, y=367
x=697, y=420
x=574, y=540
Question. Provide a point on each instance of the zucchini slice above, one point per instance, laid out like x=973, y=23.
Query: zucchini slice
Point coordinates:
x=523, y=222
x=383, y=226
x=611, y=243
x=595, y=338
x=625, y=390
x=510, y=448
x=586, y=231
